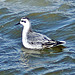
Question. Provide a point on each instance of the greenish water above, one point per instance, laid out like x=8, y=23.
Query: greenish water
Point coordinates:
x=54, y=18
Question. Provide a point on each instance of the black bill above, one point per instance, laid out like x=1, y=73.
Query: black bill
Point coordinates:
x=17, y=24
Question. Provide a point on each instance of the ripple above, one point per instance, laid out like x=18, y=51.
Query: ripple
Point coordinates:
x=55, y=19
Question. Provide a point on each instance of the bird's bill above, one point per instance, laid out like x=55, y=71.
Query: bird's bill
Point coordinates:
x=17, y=24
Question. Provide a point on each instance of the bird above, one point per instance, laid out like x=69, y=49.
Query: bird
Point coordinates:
x=35, y=40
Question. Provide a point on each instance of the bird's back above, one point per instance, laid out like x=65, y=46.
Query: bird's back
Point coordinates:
x=34, y=37
x=38, y=39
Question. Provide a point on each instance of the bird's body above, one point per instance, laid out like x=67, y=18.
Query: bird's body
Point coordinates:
x=34, y=40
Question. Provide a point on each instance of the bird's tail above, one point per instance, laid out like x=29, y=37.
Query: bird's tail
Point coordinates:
x=53, y=43
x=60, y=42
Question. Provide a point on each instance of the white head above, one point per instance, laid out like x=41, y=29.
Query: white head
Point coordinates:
x=25, y=22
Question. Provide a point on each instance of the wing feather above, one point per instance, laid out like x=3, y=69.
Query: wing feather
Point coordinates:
x=34, y=37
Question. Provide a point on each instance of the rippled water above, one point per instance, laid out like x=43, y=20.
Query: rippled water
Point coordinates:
x=54, y=18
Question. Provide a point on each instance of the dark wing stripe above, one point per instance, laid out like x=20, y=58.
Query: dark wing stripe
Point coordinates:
x=48, y=43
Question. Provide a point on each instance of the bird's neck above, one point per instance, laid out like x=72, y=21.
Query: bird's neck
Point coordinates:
x=24, y=33
x=24, y=38
x=25, y=30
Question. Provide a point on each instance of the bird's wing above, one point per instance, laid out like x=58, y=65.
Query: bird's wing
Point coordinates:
x=34, y=37
x=40, y=39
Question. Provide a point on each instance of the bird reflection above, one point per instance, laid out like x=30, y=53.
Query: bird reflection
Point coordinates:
x=56, y=49
x=27, y=55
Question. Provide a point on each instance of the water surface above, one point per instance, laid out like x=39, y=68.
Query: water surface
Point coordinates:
x=54, y=18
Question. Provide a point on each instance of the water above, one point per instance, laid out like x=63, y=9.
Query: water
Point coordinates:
x=54, y=18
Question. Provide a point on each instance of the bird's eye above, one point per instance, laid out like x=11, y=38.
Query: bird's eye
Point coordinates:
x=23, y=21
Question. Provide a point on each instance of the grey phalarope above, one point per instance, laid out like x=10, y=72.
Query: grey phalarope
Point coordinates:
x=34, y=40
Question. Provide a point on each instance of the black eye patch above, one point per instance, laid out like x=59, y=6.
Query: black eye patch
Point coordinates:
x=23, y=21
